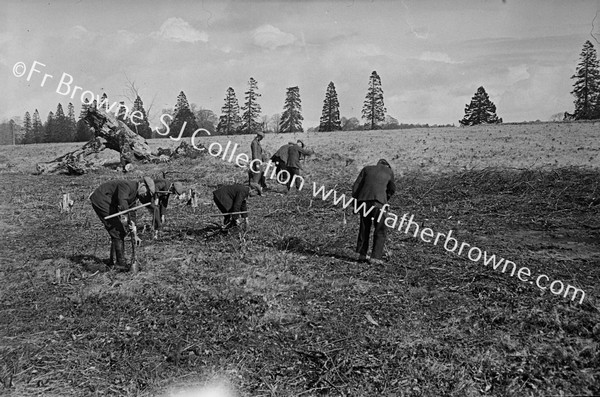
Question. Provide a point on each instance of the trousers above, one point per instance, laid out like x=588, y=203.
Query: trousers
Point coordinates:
x=364, y=231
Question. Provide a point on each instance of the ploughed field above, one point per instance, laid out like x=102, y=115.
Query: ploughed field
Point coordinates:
x=283, y=309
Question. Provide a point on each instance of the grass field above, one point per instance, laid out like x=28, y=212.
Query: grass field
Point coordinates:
x=284, y=309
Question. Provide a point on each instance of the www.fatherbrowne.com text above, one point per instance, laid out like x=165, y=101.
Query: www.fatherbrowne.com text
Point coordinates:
x=404, y=224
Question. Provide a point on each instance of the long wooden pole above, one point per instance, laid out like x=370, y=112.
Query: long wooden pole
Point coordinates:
x=128, y=210
x=229, y=213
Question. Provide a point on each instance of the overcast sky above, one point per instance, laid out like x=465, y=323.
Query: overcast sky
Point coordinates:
x=431, y=55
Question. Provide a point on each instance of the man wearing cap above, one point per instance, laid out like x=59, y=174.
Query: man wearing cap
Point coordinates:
x=113, y=197
x=256, y=172
x=231, y=201
x=373, y=187
x=160, y=201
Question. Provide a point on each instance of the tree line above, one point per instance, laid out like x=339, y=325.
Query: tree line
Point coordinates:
x=185, y=118
x=61, y=127
x=247, y=119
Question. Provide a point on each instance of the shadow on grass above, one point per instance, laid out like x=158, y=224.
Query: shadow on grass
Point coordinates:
x=297, y=245
x=206, y=232
x=90, y=263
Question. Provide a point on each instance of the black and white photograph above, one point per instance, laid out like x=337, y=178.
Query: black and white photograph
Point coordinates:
x=300, y=198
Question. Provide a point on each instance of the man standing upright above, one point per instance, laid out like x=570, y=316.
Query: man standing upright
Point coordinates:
x=116, y=196
x=373, y=187
x=256, y=173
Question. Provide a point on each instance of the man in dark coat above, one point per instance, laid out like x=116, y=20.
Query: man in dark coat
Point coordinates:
x=116, y=196
x=231, y=199
x=160, y=201
x=296, y=152
x=256, y=173
x=281, y=156
x=373, y=187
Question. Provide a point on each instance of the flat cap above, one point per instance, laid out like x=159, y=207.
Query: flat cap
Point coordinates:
x=178, y=188
x=150, y=184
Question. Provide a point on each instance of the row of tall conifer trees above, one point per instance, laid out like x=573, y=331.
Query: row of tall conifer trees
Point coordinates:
x=61, y=127
x=230, y=121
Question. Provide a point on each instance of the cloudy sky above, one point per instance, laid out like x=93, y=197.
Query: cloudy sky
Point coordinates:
x=431, y=54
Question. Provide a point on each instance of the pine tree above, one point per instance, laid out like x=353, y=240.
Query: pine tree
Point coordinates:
x=37, y=127
x=480, y=111
x=143, y=126
x=587, y=84
x=291, y=119
x=83, y=133
x=60, y=126
x=49, y=131
x=183, y=115
x=84, y=109
x=28, y=138
x=251, y=116
x=373, y=108
x=71, y=113
x=330, y=116
x=230, y=119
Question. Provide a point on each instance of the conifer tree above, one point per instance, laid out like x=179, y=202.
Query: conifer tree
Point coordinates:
x=480, y=111
x=28, y=138
x=83, y=133
x=291, y=118
x=330, y=116
x=84, y=109
x=373, y=108
x=251, y=116
x=71, y=113
x=37, y=127
x=143, y=125
x=230, y=120
x=587, y=85
x=61, y=131
x=183, y=116
x=49, y=128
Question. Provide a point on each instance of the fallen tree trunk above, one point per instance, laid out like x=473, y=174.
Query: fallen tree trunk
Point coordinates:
x=109, y=133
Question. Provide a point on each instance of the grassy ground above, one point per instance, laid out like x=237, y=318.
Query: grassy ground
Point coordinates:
x=283, y=309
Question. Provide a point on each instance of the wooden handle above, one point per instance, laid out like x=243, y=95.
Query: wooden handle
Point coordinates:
x=128, y=210
x=229, y=213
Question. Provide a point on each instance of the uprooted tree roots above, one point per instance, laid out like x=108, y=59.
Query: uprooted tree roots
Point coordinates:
x=111, y=133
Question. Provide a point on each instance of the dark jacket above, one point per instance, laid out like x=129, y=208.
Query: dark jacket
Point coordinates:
x=115, y=196
x=256, y=149
x=295, y=153
x=375, y=182
x=282, y=153
x=232, y=198
x=159, y=210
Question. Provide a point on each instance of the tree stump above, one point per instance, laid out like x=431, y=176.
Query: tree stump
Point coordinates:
x=109, y=133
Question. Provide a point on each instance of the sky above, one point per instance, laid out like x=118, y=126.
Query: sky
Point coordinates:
x=431, y=55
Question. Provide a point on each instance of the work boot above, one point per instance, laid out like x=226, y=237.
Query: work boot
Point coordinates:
x=122, y=265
